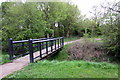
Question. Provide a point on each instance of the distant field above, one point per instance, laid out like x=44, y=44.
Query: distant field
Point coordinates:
x=67, y=69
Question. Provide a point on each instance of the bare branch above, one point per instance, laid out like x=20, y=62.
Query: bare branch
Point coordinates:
x=114, y=10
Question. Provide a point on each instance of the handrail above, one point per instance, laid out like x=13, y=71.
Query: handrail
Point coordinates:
x=22, y=41
x=39, y=44
x=46, y=40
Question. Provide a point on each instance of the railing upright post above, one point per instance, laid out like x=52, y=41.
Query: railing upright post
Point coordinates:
x=51, y=45
x=42, y=45
x=11, y=48
x=55, y=44
x=31, y=51
x=58, y=43
x=47, y=47
x=23, y=49
x=40, y=48
x=62, y=41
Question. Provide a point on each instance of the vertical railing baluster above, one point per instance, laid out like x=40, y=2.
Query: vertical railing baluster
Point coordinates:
x=42, y=45
x=40, y=48
x=58, y=43
x=55, y=44
x=62, y=41
x=11, y=48
x=23, y=49
x=51, y=45
x=47, y=47
x=31, y=51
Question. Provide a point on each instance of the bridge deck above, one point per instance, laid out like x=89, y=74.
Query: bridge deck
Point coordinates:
x=26, y=59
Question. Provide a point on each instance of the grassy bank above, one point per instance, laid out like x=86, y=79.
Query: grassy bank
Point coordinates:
x=62, y=55
x=67, y=69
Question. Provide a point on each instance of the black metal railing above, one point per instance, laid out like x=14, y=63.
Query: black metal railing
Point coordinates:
x=24, y=47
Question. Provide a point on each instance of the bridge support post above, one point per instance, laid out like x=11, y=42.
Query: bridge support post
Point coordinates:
x=55, y=44
x=11, y=48
x=31, y=51
x=62, y=41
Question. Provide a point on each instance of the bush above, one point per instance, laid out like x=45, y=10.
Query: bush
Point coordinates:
x=112, y=41
x=90, y=51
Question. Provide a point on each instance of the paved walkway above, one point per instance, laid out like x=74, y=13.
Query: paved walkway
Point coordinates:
x=19, y=63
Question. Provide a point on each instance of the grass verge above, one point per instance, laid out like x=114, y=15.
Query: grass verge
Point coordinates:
x=67, y=69
x=62, y=55
x=4, y=57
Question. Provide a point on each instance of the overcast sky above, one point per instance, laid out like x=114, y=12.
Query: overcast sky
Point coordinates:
x=84, y=5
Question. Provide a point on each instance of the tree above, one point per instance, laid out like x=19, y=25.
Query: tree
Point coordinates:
x=111, y=29
x=21, y=21
x=37, y=19
x=97, y=18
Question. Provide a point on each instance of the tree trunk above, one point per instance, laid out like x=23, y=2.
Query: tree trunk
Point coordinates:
x=47, y=35
x=68, y=34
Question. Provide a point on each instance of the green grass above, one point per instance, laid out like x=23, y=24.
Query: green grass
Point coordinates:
x=4, y=57
x=62, y=55
x=67, y=69
x=94, y=39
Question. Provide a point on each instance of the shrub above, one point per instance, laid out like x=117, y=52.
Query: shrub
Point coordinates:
x=91, y=51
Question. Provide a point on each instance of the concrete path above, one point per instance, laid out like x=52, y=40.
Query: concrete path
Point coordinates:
x=20, y=63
